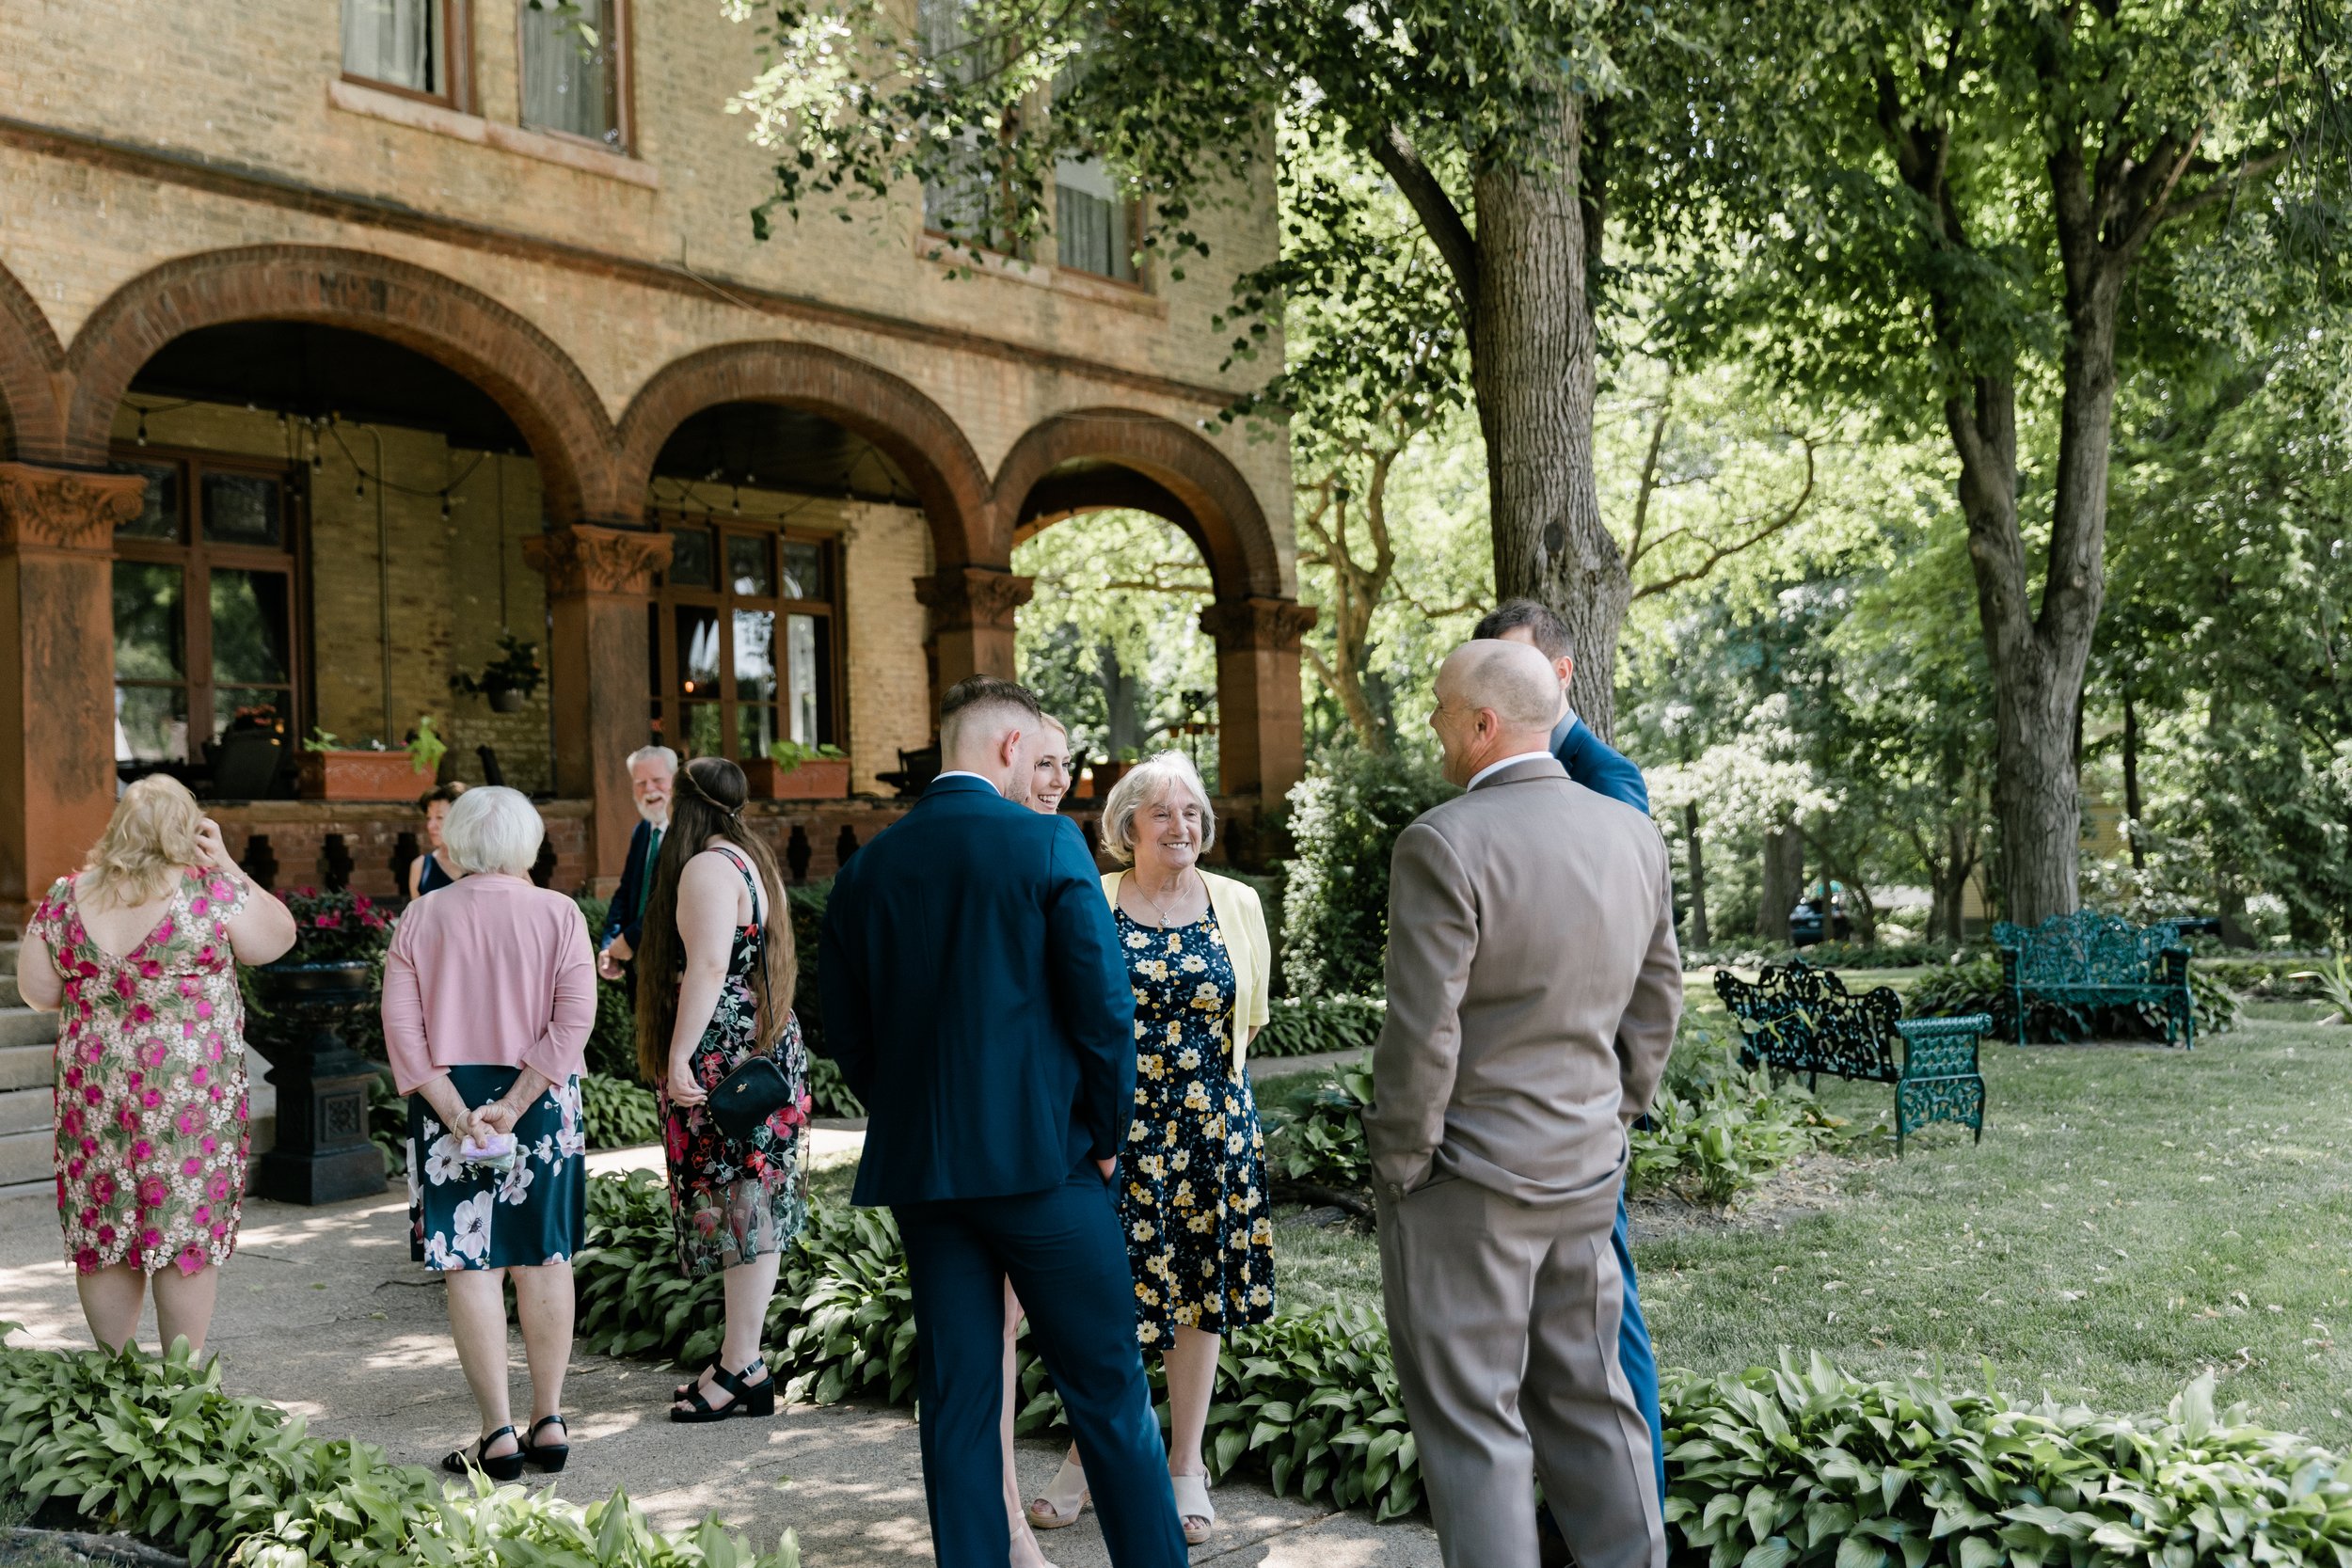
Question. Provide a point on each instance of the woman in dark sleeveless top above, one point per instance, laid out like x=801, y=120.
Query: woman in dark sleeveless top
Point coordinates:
x=427, y=872
x=716, y=919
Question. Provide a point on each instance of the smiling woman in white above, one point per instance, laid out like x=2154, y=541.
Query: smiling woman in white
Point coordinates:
x=489, y=994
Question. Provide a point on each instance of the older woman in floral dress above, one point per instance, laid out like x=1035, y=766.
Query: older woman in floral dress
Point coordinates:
x=139, y=950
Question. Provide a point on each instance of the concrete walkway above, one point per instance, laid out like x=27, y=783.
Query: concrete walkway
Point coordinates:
x=323, y=1313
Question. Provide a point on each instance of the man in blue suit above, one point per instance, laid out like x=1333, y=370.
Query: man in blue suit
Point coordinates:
x=976, y=1000
x=1591, y=762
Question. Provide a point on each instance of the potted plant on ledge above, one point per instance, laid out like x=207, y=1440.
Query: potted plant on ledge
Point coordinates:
x=507, y=681
x=791, y=771
x=332, y=771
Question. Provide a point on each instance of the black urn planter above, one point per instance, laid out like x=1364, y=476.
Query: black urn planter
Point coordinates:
x=323, y=1153
x=506, y=699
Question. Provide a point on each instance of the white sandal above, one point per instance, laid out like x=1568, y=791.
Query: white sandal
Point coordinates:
x=1063, y=1499
x=1192, y=1504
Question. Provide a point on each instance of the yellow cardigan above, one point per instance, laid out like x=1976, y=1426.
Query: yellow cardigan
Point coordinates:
x=1241, y=920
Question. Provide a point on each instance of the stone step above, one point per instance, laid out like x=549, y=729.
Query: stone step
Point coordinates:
x=25, y=1157
x=28, y=1110
x=9, y=995
x=27, y=1067
x=23, y=1026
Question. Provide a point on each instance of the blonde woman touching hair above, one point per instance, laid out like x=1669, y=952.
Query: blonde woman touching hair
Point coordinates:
x=139, y=950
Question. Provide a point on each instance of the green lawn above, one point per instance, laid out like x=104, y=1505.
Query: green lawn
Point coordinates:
x=2134, y=1215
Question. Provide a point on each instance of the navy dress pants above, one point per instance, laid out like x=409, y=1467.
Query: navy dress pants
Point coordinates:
x=1065, y=1257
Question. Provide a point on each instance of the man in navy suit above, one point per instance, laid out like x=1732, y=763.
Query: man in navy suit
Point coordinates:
x=652, y=774
x=1591, y=762
x=976, y=1000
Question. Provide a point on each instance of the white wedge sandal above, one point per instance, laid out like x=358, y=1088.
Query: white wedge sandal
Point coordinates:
x=1194, y=1508
x=1064, y=1499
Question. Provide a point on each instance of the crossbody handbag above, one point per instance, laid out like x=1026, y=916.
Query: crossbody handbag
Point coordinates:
x=759, y=1087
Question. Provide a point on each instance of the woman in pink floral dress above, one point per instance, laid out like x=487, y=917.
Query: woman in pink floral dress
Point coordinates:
x=139, y=951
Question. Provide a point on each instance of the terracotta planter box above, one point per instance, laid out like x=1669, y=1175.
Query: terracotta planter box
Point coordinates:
x=361, y=776
x=818, y=779
x=1105, y=775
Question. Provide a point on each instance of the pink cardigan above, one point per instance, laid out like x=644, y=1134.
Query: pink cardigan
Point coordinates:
x=490, y=971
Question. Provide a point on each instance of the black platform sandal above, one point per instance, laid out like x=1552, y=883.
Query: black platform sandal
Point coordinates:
x=686, y=1388
x=548, y=1456
x=750, y=1398
x=505, y=1467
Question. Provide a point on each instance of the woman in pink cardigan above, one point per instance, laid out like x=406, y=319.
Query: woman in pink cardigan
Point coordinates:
x=489, y=995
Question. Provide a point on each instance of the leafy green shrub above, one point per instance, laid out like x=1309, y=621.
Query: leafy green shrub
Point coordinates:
x=152, y=1448
x=1344, y=818
x=387, y=1123
x=2281, y=979
x=1309, y=1025
x=830, y=1090
x=1716, y=1129
x=619, y=1112
x=612, y=1043
x=1809, y=1468
x=1974, y=986
x=1880, y=955
x=1323, y=1142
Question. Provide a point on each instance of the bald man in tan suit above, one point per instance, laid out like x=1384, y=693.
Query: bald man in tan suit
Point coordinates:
x=1534, y=990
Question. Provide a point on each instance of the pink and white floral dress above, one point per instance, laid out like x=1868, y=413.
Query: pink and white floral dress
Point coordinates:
x=152, y=1138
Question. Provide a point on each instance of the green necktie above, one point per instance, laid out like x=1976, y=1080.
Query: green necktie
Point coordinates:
x=645, y=879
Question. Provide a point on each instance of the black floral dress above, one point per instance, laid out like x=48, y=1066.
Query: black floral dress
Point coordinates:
x=730, y=1203
x=1193, y=1193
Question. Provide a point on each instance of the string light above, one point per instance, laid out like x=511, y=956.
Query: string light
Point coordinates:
x=142, y=435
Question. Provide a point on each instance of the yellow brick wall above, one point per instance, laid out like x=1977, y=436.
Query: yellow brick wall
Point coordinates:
x=246, y=84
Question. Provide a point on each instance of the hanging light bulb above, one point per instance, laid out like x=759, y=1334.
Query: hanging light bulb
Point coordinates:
x=142, y=435
x=736, y=503
x=360, y=489
x=445, y=506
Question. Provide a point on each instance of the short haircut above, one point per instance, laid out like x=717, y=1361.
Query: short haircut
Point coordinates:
x=494, y=828
x=1144, y=783
x=1549, y=632
x=1511, y=678
x=663, y=754
x=976, y=699
x=447, y=793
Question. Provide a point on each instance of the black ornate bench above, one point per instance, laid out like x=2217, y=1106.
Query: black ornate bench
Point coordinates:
x=2094, y=960
x=1795, y=1018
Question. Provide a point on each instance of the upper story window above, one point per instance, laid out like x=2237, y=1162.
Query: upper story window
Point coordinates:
x=967, y=203
x=1094, y=226
x=572, y=71
x=400, y=43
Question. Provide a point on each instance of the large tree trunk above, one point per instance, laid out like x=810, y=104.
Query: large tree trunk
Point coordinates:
x=2039, y=658
x=1532, y=368
x=1695, y=850
x=1784, y=883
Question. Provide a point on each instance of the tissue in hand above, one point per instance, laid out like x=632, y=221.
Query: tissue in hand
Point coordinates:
x=496, y=1149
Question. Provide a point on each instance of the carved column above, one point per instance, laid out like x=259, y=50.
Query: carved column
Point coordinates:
x=57, y=669
x=972, y=614
x=599, y=580
x=1261, y=724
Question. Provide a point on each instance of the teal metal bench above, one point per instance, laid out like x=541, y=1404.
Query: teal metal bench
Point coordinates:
x=1796, y=1018
x=2087, y=958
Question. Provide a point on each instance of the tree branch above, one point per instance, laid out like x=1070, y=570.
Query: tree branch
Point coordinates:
x=1440, y=220
x=1717, y=554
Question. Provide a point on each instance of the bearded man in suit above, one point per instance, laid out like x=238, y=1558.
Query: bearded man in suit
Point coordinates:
x=1533, y=989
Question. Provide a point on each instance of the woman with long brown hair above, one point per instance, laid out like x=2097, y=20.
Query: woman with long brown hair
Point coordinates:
x=716, y=970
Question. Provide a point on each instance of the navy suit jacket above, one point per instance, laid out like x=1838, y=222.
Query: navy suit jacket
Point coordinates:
x=1591, y=762
x=978, y=1002
x=621, y=917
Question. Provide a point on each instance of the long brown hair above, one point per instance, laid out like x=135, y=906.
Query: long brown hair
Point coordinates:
x=707, y=804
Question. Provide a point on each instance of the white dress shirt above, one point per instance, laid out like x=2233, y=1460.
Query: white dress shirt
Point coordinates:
x=1480, y=777
x=966, y=773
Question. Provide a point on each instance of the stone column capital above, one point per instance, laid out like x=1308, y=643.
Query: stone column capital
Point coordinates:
x=961, y=597
x=583, y=559
x=65, y=509
x=1276, y=625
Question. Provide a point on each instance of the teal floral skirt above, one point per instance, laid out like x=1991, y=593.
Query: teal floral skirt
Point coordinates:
x=468, y=1216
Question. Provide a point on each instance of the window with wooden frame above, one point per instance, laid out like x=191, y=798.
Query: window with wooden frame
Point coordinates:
x=744, y=628
x=575, y=70
x=416, y=47
x=207, y=616
x=1096, y=228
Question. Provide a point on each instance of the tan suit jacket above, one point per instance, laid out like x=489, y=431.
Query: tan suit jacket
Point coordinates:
x=1533, y=989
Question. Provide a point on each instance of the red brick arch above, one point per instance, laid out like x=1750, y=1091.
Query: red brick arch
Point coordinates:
x=31, y=424
x=889, y=412
x=535, y=382
x=1153, y=465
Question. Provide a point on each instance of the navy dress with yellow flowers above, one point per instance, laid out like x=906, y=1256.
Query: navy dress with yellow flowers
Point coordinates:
x=1193, y=1181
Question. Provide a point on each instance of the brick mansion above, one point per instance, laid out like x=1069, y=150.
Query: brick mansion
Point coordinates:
x=347, y=346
